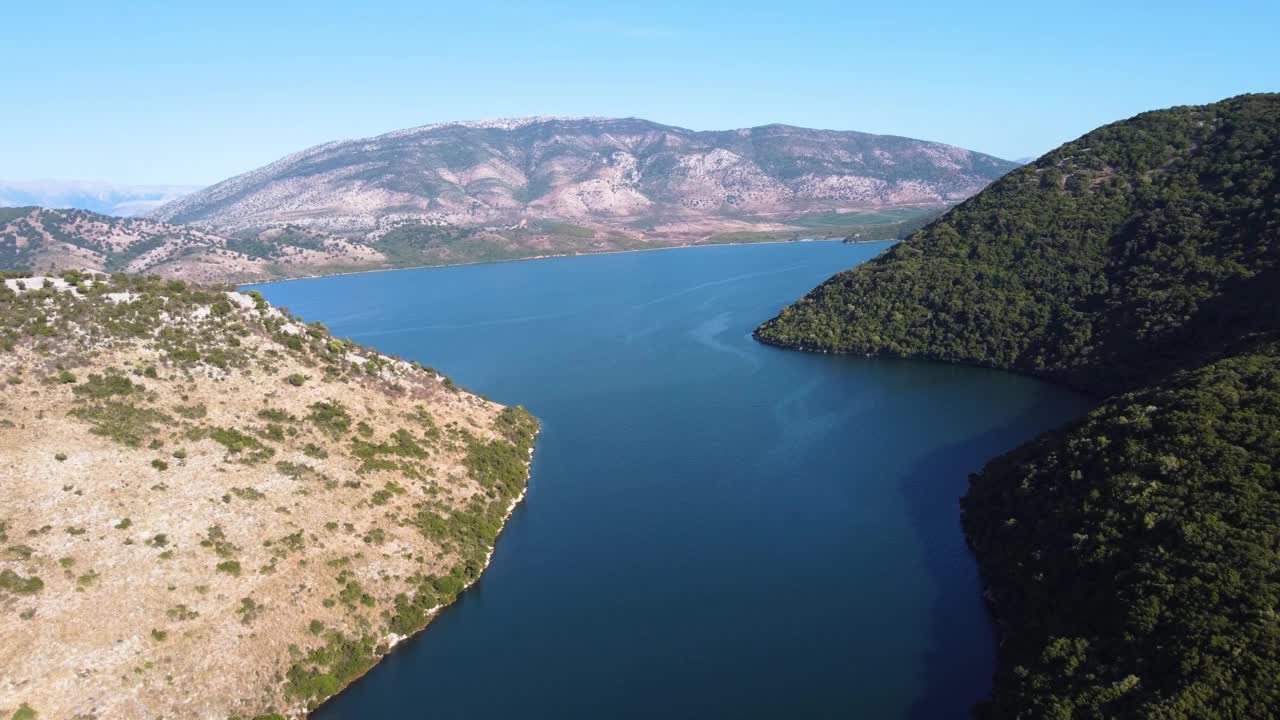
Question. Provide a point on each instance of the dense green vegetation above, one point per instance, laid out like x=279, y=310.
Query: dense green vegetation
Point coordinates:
x=1133, y=558
x=1143, y=247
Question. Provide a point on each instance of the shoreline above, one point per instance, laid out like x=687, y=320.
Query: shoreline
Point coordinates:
x=1094, y=396
x=393, y=640
x=554, y=256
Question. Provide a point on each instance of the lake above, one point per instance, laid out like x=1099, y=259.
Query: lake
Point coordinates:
x=713, y=527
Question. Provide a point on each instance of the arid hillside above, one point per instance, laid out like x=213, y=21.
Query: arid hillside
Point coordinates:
x=209, y=509
x=44, y=240
x=549, y=184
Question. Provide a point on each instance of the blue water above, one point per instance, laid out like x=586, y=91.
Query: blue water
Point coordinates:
x=713, y=527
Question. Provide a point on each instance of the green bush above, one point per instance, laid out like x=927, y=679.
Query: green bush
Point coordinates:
x=98, y=387
x=121, y=421
x=192, y=412
x=236, y=442
x=330, y=417
x=12, y=582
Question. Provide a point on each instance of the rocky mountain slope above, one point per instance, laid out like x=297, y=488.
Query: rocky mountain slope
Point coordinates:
x=603, y=176
x=213, y=510
x=1132, y=557
x=39, y=239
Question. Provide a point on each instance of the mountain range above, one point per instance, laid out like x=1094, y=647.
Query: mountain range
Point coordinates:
x=508, y=189
x=603, y=176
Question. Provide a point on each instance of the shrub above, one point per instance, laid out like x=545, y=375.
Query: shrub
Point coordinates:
x=12, y=582
x=192, y=412
x=499, y=464
x=181, y=613
x=98, y=387
x=326, y=669
x=517, y=426
x=230, y=567
x=250, y=449
x=296, y=379
x=275, y=415
x=123, y=422
x=249, y=610
x=330, y=417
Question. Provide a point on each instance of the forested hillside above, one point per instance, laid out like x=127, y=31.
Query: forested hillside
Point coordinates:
x=1132, y=557
x=1144, y=246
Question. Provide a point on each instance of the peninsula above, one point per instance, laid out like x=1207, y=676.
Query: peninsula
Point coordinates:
x=212, y=509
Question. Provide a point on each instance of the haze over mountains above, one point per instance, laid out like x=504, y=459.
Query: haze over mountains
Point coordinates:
x=501, y=190
x=623, y=175
x=96, y=196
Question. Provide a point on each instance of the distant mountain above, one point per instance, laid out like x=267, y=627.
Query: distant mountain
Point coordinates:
x=1132, y=557
x=99, y=197
x=40, y=239
x=543, y=185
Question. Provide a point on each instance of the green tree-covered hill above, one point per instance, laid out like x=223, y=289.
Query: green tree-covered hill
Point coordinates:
x=1143, y=247
x=1133, y=558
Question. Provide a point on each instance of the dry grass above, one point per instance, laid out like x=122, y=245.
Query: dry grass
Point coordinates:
x=189, y=591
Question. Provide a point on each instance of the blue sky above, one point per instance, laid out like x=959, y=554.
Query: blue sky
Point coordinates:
x=181, y=92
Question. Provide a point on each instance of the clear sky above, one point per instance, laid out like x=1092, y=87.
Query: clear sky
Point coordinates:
x=177, y=92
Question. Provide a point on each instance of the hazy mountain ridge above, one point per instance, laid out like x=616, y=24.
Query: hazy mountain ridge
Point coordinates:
x=626, y=175
x=95, y=196
x=40, y=239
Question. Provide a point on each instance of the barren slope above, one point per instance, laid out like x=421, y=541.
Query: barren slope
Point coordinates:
x=209, y=509
x=630, y=176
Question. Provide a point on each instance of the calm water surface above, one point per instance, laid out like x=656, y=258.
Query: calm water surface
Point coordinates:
x=713, y=527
